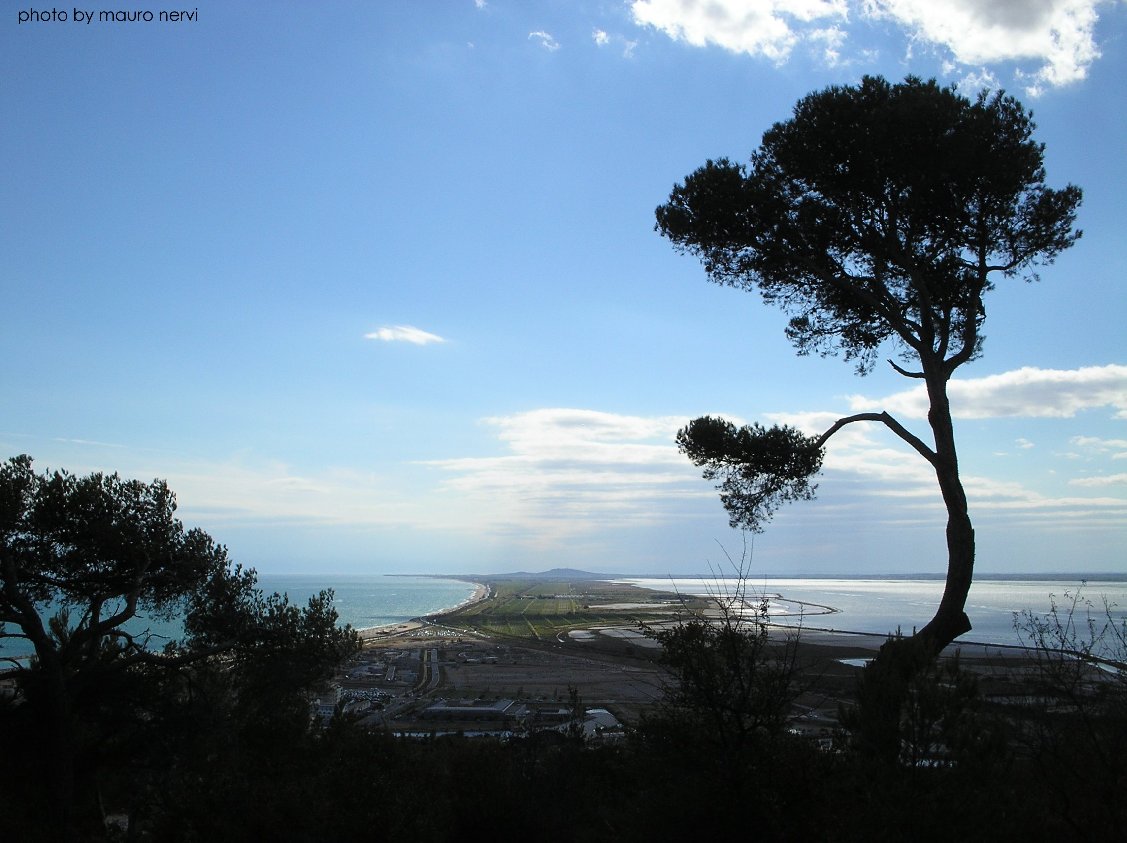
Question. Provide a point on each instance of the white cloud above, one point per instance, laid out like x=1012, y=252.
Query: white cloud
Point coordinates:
x=1023, y=443
x=1057, y=33
x=768, y=28
x=600, y=37
x=1100, y=481
x=1056, y=38
x=1025, y=393
x=546, y=40
x=404, y=333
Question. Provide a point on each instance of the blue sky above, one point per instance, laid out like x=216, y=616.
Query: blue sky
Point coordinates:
x=375, y=285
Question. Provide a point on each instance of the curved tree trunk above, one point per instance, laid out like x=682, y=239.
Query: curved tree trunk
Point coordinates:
x=950, y=619
x=885, y=685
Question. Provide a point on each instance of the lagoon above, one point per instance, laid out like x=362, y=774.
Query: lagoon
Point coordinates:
x=881, y=606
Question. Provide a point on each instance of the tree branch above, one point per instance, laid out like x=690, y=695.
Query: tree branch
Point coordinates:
x=28, y=618
x=852, y=285
x=970, y=337
x=905, y=372
x=888, y=421
x=181, y=660
x=97, y=628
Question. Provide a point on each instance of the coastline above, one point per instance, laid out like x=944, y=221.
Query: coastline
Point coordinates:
x=379, y=633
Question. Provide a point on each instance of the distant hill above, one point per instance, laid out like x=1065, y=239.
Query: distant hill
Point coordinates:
x=553, y=574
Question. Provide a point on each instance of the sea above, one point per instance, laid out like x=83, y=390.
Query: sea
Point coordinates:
x=361, y=601
x=868, y=605
x=374, y=600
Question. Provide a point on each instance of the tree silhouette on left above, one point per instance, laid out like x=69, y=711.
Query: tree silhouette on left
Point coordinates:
x=84, y=562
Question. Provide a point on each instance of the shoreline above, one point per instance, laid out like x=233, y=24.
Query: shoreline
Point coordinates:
x=390, y=630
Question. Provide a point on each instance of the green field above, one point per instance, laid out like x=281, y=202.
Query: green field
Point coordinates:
x=541, y=609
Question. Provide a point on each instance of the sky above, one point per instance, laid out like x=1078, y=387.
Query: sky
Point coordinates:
x=375, y=286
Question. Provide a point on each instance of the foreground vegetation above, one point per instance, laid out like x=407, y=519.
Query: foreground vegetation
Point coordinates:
x=222, y=758
x=104, y=737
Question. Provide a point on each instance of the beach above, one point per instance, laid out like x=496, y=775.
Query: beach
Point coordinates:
x=382, y=632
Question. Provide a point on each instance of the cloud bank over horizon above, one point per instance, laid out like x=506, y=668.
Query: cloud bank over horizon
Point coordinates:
x=1028, y=392
x=561, y=476
x=564, y=472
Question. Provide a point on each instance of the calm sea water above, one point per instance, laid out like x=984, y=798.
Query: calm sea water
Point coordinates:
x=362, y=601
x=367, y=601
x=882, y=606
x=857, y=605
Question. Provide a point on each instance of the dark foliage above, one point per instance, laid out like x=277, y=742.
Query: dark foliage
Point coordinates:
x=208, y=775
x=1074, y=727
x=759, y=468
x=878, y=212
x=100, y=713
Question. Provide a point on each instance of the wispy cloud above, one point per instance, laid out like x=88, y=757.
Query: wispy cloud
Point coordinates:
x=242, y=489
x=1025, y=393
x=546, y=40
x=404, y=333
x=575, y=471
x=829, y=41
x=973, y=81
x=88, y=442
x=1100, y=481
x=605, y=39
x=245, y=491
x=1117, y=448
